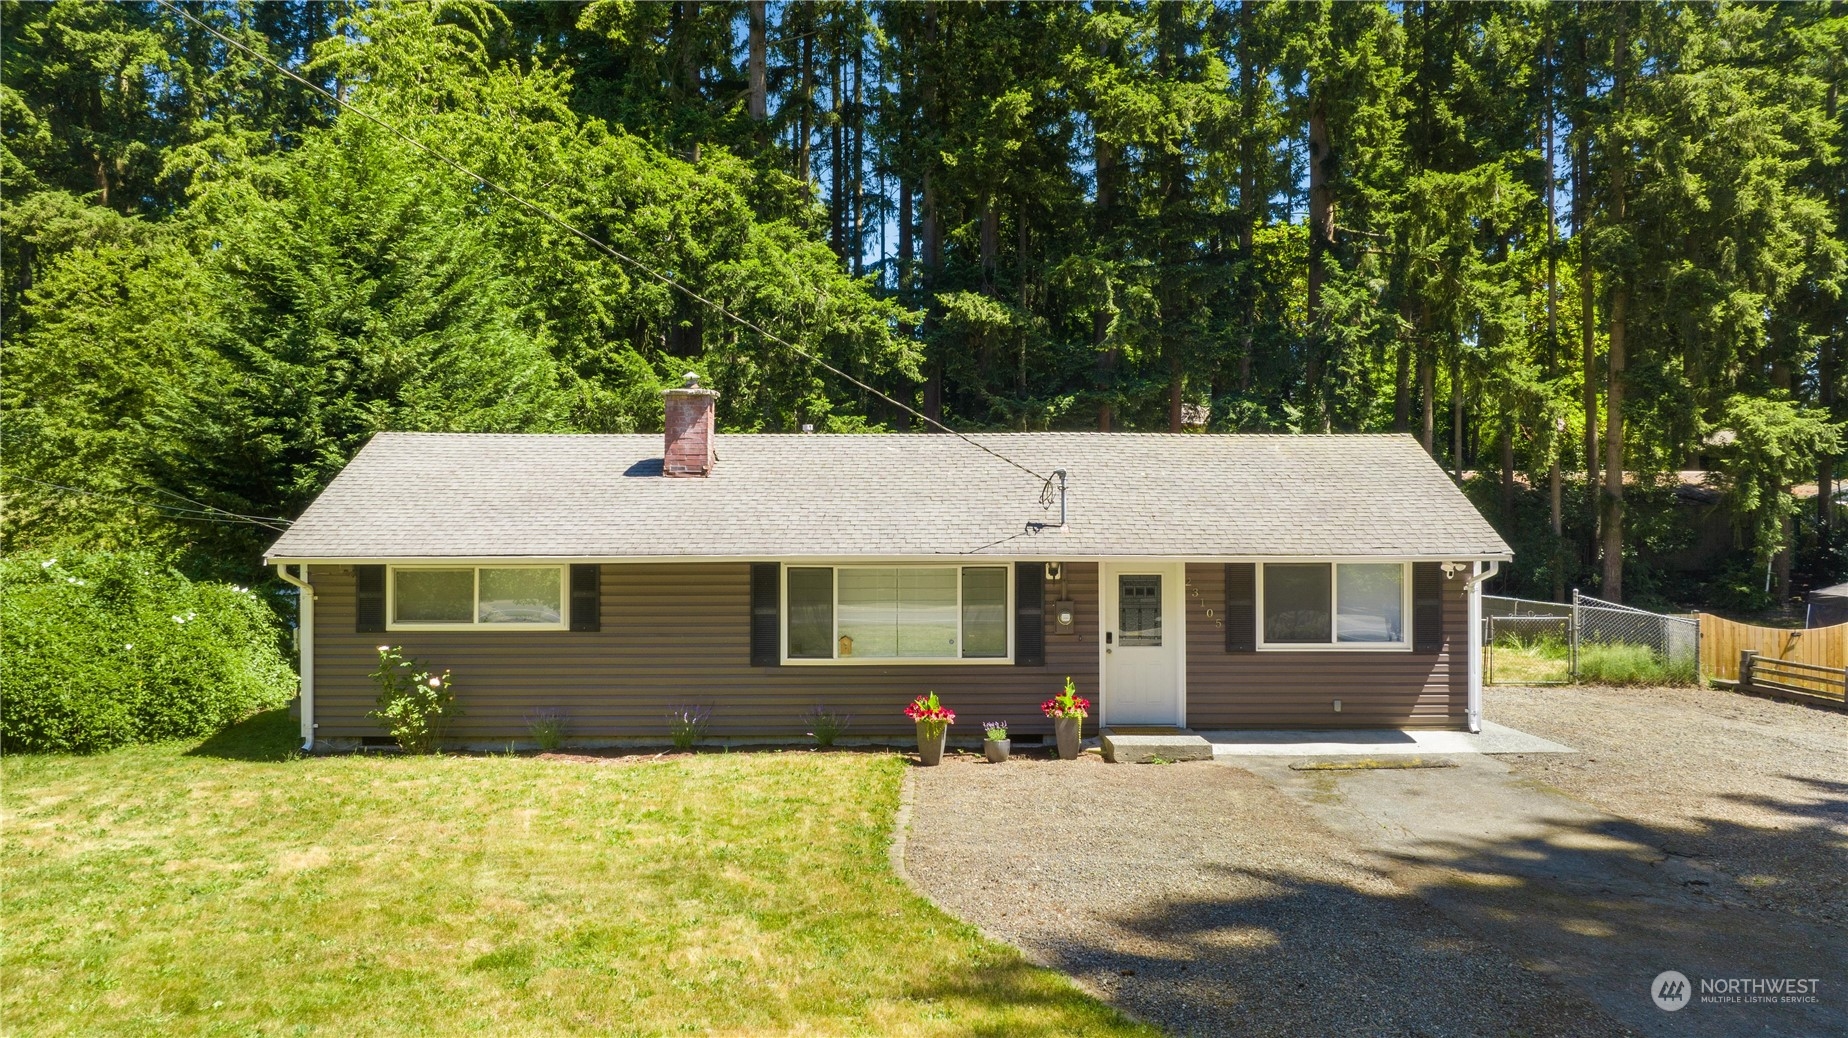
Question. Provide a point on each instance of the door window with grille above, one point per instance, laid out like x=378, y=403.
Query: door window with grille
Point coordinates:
x=1139, y=609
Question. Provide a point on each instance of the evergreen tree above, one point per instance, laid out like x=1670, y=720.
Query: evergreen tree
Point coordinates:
x=1574, y=249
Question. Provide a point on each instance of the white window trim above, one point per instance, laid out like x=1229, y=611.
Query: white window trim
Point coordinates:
x=1404, y=644
x=391, y=601
x=834, y=640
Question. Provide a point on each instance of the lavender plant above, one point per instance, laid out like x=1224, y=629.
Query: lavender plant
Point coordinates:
x=825, y=726
x=686, y=725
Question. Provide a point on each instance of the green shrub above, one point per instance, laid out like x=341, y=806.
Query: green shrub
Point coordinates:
x=415, y=703
x=103, y=649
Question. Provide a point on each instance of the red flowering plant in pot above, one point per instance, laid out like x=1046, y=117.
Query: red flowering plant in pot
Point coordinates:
x=933, y=720
x=1068, y=710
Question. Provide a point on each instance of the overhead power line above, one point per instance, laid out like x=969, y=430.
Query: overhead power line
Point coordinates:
x=203, y=514
x=215, y=508
x=586, y=237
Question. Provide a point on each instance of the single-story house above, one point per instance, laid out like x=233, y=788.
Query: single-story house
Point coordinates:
x=1205, y=581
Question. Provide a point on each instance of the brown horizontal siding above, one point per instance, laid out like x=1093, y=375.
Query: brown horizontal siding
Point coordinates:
x=674, y=634
x=1297, y=689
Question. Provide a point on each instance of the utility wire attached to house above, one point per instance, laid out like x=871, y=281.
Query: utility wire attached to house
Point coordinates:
x=584, y=236
x=1045, y=500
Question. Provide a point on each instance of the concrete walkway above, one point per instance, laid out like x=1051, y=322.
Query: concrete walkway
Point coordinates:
x=1373, y=742
x=1588, y=899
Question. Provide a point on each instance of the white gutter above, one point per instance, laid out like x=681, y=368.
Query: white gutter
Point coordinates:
x=304, y=631
x=1474, y=585
x=804, y=559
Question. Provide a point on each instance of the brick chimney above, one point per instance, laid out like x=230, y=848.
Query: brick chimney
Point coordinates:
x=688, y=451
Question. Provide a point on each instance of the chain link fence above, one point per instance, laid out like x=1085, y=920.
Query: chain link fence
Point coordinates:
x=1529, y=642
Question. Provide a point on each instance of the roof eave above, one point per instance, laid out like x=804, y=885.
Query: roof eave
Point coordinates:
x=349, y=559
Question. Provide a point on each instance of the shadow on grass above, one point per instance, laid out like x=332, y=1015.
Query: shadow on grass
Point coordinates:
x=1018, y=998
x=267, y=737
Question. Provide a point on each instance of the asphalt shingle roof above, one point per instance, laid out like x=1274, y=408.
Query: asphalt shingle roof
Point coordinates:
x=458, y=495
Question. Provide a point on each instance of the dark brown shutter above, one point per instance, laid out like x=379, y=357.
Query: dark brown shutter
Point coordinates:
x=1029, y=614
x=1427, y=607
x=586, y=597
x=369, y=599
x=766, y=614
x=1241, y=607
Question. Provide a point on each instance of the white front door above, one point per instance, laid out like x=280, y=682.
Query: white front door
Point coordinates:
x=1144, y=626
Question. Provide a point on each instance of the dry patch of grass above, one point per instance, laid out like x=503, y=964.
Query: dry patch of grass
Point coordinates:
x=1520, y=665
x=235, y=889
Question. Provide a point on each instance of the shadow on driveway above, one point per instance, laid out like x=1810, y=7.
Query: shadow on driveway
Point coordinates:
x=1213, y=899
x=1600, y=903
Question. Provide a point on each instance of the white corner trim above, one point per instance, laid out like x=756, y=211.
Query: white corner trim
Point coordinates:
x=1475, y=643
x=304, y=653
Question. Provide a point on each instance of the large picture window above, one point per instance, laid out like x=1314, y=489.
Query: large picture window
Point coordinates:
x=852, y=613
x=470, y=597
x=1358, y=604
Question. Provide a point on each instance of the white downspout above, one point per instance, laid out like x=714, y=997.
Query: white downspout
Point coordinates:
x=304, y=631
x=1485, y=574
x=1477, y=576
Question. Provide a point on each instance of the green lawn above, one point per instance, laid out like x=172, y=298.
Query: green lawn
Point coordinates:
x=234, y=888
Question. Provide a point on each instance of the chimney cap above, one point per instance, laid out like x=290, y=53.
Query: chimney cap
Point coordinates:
x=692, y=388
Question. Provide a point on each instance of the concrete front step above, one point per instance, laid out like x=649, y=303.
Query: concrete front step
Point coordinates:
x=1142, y=745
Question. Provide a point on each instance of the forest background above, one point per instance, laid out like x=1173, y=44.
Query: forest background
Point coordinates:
x=1592, y=255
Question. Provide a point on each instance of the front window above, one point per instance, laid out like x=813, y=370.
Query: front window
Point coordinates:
x=1370, y=602
x=811, y=614
x=1343, y=603
x=463, y=597
x=897, y=612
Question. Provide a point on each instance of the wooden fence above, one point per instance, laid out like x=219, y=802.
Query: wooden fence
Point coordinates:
x=1721, y=642
x=1788, y=679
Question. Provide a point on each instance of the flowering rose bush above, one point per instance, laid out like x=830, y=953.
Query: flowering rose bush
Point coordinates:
x=415, y=704
x=1067, y=703
x=928, y=710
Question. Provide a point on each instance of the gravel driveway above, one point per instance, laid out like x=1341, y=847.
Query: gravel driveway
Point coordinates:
x=1756, y=789
x=1508, y=896
x=1200, y=898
